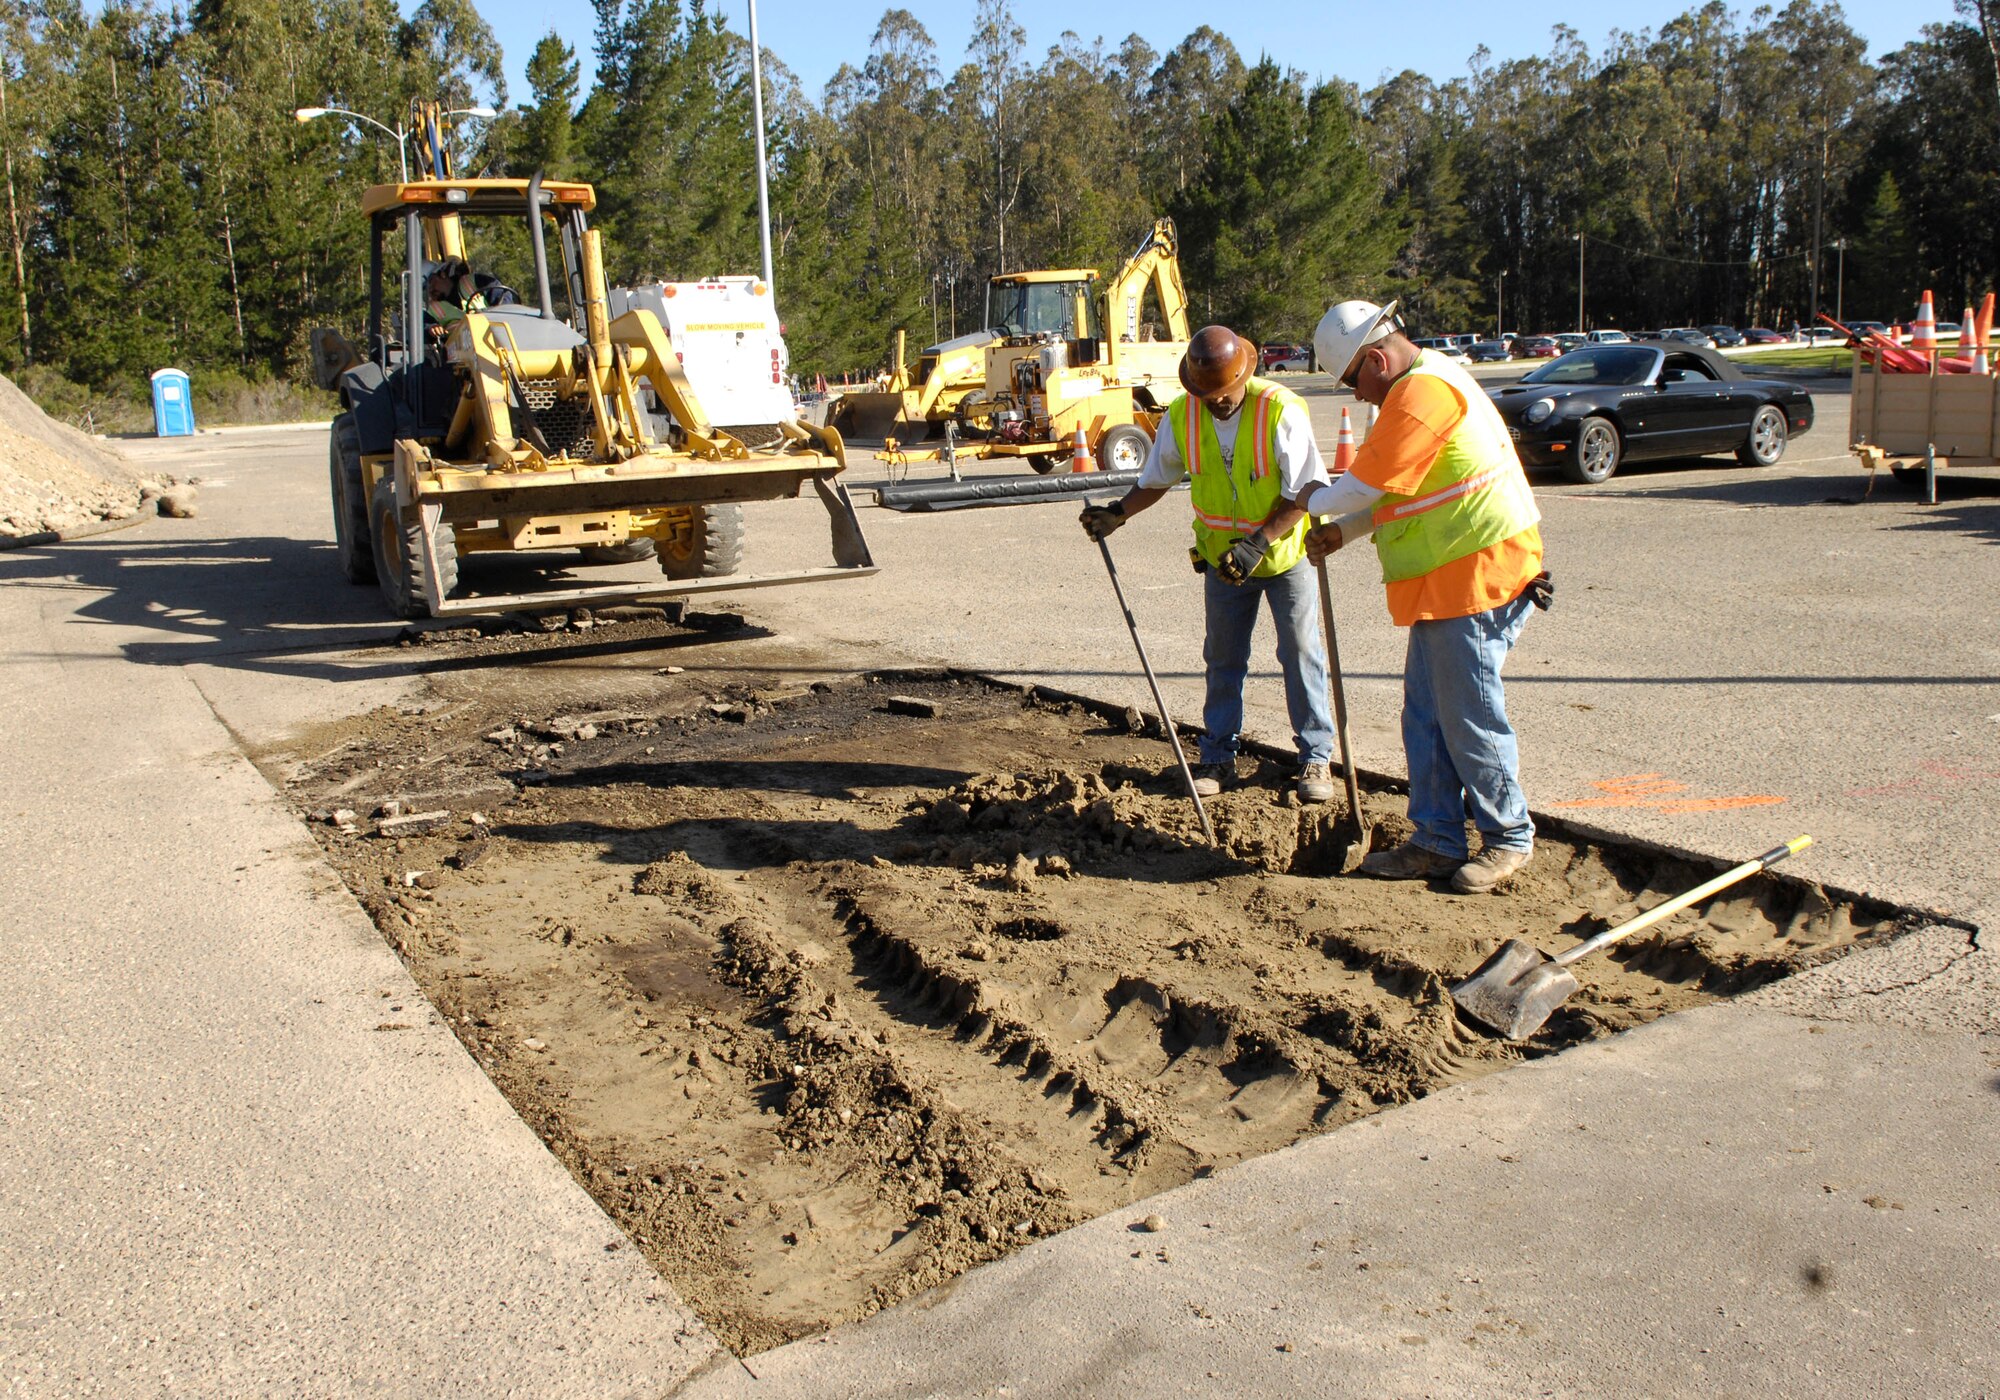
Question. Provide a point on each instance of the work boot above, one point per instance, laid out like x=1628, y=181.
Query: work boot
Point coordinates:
x=1211, y=778
x=1408, y=861
x=1487, y=871
x=1316, y=783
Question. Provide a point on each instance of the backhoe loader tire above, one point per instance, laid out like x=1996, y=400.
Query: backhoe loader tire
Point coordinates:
x=350, y=502
x=1124, y=448
x=399, y=555
x=631, y=552
x=708, y=545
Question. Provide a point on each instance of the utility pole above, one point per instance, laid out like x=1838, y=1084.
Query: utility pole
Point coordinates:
x=1819, y=201
x=1840, y=280
x=763, y=176
x=1500, y=304
x=1579, y=284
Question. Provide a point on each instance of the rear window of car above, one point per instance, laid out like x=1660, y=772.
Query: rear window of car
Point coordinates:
x=1601, y=364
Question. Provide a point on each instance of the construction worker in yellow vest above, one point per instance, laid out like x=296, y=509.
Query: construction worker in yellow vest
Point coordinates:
x=1439, y=487
x=1246, y=448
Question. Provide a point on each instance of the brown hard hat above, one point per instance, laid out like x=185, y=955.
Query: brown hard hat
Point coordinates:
x=1218, y=361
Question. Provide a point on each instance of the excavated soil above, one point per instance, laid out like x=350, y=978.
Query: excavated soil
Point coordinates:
x=53, y=477
x=828, y=1002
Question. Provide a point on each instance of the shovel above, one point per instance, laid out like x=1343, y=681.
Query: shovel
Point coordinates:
x=1513, y=992
x=1352, y=853
x=1166, y=720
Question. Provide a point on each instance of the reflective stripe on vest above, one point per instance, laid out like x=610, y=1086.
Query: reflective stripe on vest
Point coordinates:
x=1474, y=496
x=1234, y=494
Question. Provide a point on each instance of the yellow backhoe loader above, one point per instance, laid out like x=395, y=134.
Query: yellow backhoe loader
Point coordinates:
x=1069, y=355
x=913, y=406
x=482, y=418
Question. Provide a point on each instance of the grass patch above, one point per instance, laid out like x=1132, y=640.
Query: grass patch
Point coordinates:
x=1834, y=357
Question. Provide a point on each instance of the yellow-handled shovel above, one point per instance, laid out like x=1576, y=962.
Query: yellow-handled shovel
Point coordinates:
x=1517, y=989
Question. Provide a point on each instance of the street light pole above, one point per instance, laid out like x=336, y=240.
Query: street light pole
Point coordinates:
x=1840, y=280
x=763, y=178
x=306, y=114
x=1579, y=284
x=401, y=136
x=1500, y=305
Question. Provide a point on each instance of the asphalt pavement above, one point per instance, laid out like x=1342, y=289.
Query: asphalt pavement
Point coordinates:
x=244, y=1157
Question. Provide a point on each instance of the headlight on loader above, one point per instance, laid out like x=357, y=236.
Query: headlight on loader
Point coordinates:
x=1538, y=412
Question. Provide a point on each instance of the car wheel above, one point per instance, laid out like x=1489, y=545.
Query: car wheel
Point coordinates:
x=1597, y=452
x=1124, y=448
x=1766, y=443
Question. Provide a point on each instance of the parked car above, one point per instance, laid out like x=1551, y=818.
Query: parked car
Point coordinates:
x=1284, y=356
x=1825, y=335
x=1592, y=409
x=1535, y=347
x=1688, y=335
x=1758, y=335
x=1727, y=337
x=1607, y=337
x=1444, y=345
x=1487, y=351
x=1864, y=327
x=1568, y=340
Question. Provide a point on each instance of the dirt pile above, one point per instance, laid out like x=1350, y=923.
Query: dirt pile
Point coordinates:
x=828, y=1003
x=53, y=477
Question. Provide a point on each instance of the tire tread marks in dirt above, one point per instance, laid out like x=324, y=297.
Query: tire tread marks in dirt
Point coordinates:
x=826, y=1006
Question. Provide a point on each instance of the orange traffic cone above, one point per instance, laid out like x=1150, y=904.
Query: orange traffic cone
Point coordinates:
x=1923, y=331
x=1986, y=320
x=1079, y=456
x=1969, y=343
x=1343, y=446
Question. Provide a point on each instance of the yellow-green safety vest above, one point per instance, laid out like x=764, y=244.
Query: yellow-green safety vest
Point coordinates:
x=1232, y=497
x=1474, y=496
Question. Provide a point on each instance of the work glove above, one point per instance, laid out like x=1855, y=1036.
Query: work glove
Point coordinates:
x=1242, y=559
x=1099, y=521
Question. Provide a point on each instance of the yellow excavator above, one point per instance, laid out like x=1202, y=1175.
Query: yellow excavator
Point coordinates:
x=1067, y=354
x=482, y=418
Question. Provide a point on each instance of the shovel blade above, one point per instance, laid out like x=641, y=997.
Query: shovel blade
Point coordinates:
x=1513, y=992
x=1352, y=850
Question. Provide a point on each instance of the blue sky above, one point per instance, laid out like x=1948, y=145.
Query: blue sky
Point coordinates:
x=1361, y=43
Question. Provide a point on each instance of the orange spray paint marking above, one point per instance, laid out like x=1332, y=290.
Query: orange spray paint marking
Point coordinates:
x=1654, y=791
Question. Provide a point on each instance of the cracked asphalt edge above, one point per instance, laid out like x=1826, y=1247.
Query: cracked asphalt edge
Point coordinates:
x=1943, y=977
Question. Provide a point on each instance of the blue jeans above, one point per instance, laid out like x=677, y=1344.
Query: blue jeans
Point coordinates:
x=1461, y=749
x=1232, y=617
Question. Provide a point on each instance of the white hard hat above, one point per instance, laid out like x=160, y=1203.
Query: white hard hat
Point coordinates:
x=1348, y=329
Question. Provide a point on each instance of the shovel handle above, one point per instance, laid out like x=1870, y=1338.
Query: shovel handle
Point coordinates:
x=1159, y=699
x=1681, y=901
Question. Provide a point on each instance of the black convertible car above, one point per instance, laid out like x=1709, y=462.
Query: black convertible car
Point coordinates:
x=1593, y=408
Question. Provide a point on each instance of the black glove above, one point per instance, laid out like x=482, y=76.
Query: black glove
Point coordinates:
x=1099, y=521
x=1541, y=590
x=1242, y=560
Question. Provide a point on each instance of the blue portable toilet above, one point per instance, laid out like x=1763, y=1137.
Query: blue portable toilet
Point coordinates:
x=173, y=410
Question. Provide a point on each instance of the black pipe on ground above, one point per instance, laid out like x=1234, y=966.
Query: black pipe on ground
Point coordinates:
x=998, y=490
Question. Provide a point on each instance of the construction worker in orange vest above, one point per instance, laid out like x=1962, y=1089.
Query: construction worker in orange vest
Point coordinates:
x=1246, y=447
x=1439, y=487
